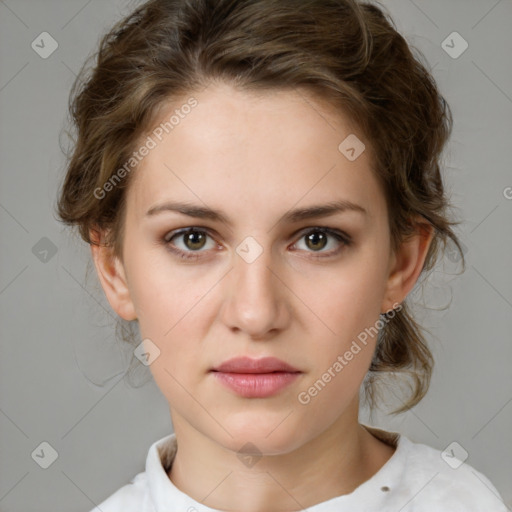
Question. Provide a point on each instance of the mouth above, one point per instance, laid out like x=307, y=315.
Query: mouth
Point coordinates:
x=249, y=365
x=255, y=378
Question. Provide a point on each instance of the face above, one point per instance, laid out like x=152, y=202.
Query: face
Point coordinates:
x=259, y=281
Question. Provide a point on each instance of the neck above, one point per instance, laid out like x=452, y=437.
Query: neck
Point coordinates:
x=331, y=464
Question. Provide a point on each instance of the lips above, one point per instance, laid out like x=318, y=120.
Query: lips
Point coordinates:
x=255, y=378
x=249, y=365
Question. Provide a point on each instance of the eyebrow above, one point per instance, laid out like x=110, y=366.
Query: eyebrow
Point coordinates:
x=296, y=215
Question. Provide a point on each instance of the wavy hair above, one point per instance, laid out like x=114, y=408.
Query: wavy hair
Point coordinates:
x=346, y=53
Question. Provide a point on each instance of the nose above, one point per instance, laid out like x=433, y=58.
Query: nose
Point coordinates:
x=255, y=298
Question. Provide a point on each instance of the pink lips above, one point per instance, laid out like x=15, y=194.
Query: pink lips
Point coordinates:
x=256, y=378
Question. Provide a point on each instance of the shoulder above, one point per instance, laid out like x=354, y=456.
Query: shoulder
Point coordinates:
x=132, y=496
x=441, y=479
x=139, y=494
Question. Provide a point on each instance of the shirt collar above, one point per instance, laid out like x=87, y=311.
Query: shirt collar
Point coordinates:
x=374, y=493
x=166, y=497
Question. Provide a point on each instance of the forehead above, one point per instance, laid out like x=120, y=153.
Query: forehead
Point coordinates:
x=253, y=151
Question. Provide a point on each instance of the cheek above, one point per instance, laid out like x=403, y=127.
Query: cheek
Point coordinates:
x=341, y=359
x=344, y=324
x=346, y=299
x=170, y=306
x=164, y=292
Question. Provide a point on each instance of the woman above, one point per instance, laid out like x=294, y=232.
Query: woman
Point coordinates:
x=260, y=185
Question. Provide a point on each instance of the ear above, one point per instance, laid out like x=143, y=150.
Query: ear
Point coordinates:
x=406, y=264
x=112, y=276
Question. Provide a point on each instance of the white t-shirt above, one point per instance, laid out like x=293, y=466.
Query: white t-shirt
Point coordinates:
x=415, y=479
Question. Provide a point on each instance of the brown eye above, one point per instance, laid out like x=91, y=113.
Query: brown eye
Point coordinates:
x=317, y=239
x=192, y=241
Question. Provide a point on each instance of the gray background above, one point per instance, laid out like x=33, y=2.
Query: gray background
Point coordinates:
x=60, y=366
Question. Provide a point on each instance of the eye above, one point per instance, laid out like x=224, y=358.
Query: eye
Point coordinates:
x=193, y=240
x=316, y=239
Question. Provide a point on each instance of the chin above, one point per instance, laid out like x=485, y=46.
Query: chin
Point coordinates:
x=269, y=436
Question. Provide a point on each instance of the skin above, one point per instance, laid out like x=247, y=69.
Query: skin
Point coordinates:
x=255, y=156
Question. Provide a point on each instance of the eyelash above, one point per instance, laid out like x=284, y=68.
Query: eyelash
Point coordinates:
x=191, y=255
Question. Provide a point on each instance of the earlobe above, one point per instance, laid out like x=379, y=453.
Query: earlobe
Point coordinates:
x=407, y=265
x=112, y=276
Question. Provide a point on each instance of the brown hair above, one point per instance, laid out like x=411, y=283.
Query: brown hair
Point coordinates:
x=347, y=54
